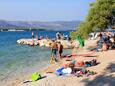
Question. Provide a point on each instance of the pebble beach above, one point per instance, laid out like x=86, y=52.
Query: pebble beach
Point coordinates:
x=105, y=71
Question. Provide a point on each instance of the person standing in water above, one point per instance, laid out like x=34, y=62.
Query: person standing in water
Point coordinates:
x=60, y=50
x=32, y=44
x=47, y=37
x=54, y=48
x=37, y=41
x=32, y=34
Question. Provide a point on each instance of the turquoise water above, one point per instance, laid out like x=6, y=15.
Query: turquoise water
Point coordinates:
x=17, y=60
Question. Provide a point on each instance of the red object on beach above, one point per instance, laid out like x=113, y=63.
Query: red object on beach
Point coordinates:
x=88, y=54
x=79, y=64
x=74, y=55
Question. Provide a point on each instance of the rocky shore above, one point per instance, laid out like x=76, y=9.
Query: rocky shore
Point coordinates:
x=45, y=42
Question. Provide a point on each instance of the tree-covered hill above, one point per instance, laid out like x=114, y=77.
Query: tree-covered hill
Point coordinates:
x=56, y=25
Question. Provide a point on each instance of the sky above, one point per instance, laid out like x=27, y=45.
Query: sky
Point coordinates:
x=44, y=10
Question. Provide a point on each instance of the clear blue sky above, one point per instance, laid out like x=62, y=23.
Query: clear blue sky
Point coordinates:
x=44, y=10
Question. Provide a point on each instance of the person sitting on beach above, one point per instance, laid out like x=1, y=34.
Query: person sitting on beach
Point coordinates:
x=54, y=48
x=60, y=50
x=100, y=42
x=113, y=42
x=108, y=34
x=104, y=46
x=108, y=42
x=58, y=36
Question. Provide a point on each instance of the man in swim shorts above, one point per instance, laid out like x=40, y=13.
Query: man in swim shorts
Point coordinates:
x=54, y=48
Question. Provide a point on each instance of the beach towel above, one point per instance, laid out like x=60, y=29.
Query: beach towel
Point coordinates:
x=58, y=72
x=67, y=71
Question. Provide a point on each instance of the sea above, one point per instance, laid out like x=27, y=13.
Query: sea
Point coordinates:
x=19, y=60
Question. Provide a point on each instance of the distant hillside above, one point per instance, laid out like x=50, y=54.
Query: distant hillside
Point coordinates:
x=57, y=25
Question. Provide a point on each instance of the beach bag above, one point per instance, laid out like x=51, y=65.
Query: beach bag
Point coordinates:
x=93, y=62
x=88, y=64
x=35, y=76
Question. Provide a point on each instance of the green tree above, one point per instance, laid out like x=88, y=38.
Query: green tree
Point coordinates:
x=99, y=17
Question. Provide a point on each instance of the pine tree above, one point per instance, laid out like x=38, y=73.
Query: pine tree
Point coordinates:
x=100, y=17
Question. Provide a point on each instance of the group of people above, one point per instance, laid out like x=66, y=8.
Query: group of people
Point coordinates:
x=106, y=41
x=56, y=50
x=38, y=38
x=60, y=36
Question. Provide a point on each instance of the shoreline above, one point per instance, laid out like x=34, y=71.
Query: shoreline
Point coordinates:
x=61, y=81
x=41, y=70
x=35, y=68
